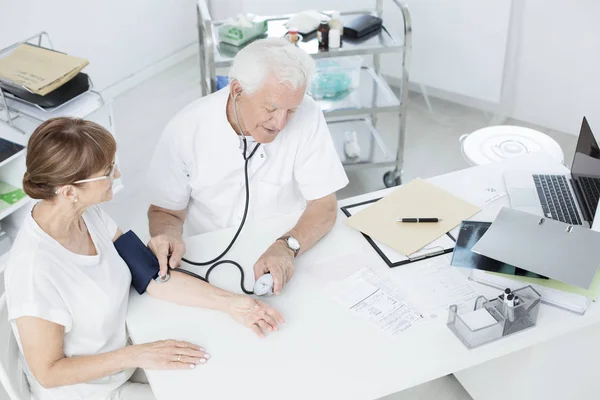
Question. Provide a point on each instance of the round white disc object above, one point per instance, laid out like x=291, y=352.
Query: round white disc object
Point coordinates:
x=497, y=143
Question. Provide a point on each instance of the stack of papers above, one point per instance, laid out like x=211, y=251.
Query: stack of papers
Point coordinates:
x=376, y=300
x=577, y=303
x=38, y=69
x=433, y=286
x=417, y=199
x=394, y=300
x=566, y=254
x=547, y=247
x=394, y=258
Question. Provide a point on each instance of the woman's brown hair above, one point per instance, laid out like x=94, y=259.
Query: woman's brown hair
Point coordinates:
x=64, y=150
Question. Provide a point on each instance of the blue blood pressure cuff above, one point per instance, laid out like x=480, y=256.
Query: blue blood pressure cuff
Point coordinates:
x=142, y=263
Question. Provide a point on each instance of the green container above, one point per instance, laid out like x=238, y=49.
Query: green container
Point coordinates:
x=335, y=78
x=238, y=36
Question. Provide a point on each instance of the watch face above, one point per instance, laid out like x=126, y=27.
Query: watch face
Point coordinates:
x=293, y=243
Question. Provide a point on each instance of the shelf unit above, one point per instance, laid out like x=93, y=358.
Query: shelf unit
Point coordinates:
x=13, y=109
x=358, y=111
x=18, y=205
x=18, y=120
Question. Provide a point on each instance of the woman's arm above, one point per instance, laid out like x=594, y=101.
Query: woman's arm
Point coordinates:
x=186, y=290
x=117, y=235
x=189, y=291
x=42, y=343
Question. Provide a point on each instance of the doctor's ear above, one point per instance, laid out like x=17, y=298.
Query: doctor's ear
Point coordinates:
x=236, y=88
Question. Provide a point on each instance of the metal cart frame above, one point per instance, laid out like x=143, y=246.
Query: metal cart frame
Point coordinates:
x=373, y=97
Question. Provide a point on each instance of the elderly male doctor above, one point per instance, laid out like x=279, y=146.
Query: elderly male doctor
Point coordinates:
x=197, y=173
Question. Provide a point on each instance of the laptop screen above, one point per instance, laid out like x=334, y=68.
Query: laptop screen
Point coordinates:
x=586, y=167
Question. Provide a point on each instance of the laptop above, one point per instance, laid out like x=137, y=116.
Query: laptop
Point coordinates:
x=571, y=198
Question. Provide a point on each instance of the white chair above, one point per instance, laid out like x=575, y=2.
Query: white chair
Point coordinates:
x=12, y=377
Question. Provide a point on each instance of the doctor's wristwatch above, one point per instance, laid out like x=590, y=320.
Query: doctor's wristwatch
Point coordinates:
x=292, y=243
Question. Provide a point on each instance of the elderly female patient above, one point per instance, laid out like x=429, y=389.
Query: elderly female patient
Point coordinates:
x=67, y=288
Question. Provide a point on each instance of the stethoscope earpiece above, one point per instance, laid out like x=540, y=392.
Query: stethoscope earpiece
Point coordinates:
x=237, y=121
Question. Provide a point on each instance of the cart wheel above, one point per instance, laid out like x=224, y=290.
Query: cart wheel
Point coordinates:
x=391, y=179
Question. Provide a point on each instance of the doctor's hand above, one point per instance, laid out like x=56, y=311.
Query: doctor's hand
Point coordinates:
x=164, y=246
x=278, y=260
x=254, y=314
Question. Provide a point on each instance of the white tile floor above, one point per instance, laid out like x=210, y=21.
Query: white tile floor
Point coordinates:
x=142, y=113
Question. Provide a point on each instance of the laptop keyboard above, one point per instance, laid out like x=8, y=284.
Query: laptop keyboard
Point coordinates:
x=591, y=191
x=556, y=198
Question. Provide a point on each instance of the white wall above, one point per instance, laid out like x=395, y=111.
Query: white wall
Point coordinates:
x=118, y=37
x=458, y=46
x=275, y=7
x=558, y=67
x=222, y=9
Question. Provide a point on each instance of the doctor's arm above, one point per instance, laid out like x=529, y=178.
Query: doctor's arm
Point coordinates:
x=316, y=221
x=166, y=230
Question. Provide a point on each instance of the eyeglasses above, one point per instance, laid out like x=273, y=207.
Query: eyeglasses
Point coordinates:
x=110, y=176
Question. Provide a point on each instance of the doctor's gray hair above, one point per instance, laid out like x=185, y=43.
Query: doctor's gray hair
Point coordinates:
x=276, y=57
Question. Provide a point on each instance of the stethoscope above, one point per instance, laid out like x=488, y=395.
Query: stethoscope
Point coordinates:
x=262, y=287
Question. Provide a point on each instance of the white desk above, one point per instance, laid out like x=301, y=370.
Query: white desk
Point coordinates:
x=323, y=351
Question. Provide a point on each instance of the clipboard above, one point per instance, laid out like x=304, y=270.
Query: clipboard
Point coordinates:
x=446, y=245
x=547, y=247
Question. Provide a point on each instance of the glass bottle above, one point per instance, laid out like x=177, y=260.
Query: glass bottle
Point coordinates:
x=323, y=35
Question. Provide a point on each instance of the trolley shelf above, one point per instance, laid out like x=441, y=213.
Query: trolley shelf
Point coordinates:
x=371, y=97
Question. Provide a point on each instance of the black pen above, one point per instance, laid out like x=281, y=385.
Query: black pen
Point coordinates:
x=419, y=219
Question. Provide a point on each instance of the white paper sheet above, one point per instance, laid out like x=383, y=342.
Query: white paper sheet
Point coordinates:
x=569, y=301
x=433, y=285
x=489, y=195
x=376, y=300
x=478, y=319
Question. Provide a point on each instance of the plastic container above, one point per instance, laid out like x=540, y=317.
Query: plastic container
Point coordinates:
x=222, y=81
x=509, y=320
x=335, y=78
x=472, y=338
x=293, y=36
x=523, y=315
x=336, y=22
x=335, y=40
x=238, y=35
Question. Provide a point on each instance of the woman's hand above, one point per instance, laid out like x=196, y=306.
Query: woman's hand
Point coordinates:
x=254, y=314
x=168, y=354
